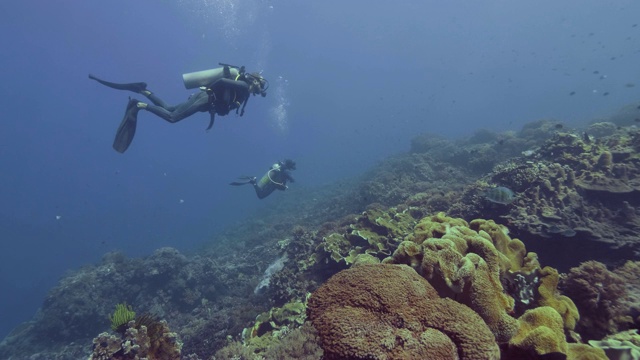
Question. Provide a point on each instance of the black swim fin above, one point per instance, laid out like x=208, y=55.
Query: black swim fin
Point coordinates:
x=135, y=87
x=127, y=129
x=249, y=180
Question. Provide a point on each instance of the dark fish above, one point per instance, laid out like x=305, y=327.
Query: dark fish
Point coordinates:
x=634, y=25
x=605, y=93
x=572, y=93
x=596, y=72
x=500, y=195
x=629, y=85
x=558, y=126
x=638, y=107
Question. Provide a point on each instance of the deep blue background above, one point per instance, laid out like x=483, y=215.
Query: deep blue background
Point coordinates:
x=351, y=83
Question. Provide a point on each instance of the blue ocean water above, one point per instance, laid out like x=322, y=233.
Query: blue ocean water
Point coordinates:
x=351, y=83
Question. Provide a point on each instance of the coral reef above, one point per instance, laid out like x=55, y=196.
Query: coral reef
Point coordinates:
x=401, y=314
x=575, y=191
x=575, y=201
x=138, y=342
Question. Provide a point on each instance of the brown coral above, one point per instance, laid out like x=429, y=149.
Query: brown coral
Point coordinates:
x=389, y=311
x=138, y=343
x=465, y=265
x=598, y=293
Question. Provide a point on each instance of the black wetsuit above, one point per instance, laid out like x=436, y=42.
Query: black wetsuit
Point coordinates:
x=224, y=95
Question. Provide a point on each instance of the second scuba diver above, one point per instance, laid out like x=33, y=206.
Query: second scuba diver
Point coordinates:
x=222, y=89
x=276, y=178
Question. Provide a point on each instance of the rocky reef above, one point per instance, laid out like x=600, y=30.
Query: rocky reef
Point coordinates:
x=413, y=255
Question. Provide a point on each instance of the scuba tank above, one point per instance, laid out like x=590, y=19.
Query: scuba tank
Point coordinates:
x=206, y=77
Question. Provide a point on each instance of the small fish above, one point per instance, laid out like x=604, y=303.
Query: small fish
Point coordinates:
x=636, y=119
x=500, y=195
x=605, y=93
x=629, y=85
x=572, y=93
x=596, y=72
x=558, y=126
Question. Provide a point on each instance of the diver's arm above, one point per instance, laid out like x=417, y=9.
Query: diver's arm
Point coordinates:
x=288, y=177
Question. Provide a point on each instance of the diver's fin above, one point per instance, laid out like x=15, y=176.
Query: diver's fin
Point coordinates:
x=135, y=87
x=237, y=183
x=127, y=128
x=249, y=180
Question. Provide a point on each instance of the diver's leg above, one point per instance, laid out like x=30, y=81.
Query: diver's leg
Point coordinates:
x=156, y=100
x=260, y=191
x=196, y=103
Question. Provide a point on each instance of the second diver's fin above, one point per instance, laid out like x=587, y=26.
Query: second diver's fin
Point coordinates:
x=249, y=180
x=237, y=183
x=127, y=129
x=135, y=87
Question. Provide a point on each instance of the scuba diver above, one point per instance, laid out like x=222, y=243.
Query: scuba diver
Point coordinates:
x=276, y=178
x=223, y=89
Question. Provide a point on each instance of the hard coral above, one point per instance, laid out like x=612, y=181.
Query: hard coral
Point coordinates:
x=465, y=265
x=390, y=312
x=540, y=332
x=550, y=296
x=599, y=294
x=541, y=335
x=138, y=343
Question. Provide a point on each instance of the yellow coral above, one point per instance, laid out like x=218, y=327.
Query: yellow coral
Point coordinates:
x=465, y=265
x=549, y=296
x=541, y=332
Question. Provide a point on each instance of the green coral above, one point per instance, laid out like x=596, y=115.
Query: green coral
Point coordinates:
x=121, y=316
x=271, y=326
x=375, y=232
